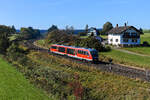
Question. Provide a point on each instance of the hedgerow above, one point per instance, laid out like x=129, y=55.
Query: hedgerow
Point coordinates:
x=61, y=37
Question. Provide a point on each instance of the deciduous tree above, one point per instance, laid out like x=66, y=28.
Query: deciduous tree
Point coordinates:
x=86, y=28
x=106, y=27
x=52, y=28
x=5, y=32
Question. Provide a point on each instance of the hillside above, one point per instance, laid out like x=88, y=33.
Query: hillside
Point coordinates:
x=97, y=85
x=14, y=86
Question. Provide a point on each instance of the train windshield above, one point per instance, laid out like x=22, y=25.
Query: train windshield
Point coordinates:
x=94, y=53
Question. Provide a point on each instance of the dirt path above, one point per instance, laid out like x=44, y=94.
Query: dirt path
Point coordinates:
x=130, y=52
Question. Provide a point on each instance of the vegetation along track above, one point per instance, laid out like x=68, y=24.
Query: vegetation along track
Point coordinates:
x=114, y=68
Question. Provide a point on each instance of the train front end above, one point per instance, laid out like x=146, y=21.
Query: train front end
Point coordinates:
x=94, y=54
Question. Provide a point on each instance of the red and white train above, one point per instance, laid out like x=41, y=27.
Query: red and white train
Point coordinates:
x=75, y=52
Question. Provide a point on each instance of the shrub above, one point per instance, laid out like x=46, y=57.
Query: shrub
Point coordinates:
x=14, y=52
x=145, y=43
x=82, y=34
x=92, y=42
x=60, y=37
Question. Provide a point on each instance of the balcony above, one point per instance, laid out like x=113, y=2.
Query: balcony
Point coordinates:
x=131, y=36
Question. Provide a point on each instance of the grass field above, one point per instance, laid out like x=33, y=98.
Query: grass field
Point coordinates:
x=100, y=85
x=14, y=86
x=83, y=37
x=140, y=50
x=41, y=42
x=145, y=37
x=13, y=37
x=127, y=59
x=103, y=36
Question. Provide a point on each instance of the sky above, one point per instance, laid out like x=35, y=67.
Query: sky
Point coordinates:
x=42, y=14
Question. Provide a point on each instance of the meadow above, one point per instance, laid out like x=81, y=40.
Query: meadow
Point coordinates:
x=126, y=59
x=140, y=50
x=14, y=86
x=41, y=42
x=97, y=85
x=145, y=37
x=103, y=36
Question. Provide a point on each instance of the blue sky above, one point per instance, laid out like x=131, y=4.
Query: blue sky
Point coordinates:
x=43, y=13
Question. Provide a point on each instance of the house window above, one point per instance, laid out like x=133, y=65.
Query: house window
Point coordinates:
x=116, y=40
x=125, y=40
x=134, y=34
x=127, y=33
x=111, y=40
x=134, y=40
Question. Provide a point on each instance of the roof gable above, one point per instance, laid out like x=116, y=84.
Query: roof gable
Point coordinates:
x=120, y=30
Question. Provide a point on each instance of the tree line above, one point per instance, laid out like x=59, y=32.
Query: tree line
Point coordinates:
x=61, y=37
x=7, y=32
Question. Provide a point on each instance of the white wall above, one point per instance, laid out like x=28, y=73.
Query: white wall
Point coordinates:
x=114, y=37
x=120, y=38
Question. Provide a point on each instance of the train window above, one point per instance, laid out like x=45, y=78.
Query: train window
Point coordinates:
x=94, y=53
x=70, y=51
x=61, y=49
x=54, y=47
x=87, y=53
x=83, y=52
x=79, y=51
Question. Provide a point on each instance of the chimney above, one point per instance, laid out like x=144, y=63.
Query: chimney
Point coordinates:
x=117, y=25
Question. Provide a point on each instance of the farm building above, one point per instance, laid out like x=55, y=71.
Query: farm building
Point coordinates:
x=93, y=32
x=124, y=36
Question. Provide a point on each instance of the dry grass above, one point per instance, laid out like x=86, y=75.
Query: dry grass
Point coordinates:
x=101, y=85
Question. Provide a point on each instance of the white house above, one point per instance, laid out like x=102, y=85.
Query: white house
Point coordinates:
x=93, y=32
x=124, y=36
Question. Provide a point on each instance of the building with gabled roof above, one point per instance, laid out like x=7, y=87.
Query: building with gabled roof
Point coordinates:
x=93, y=32
x=124, y=36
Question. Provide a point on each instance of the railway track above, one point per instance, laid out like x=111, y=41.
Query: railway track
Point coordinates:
x=129, y=72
